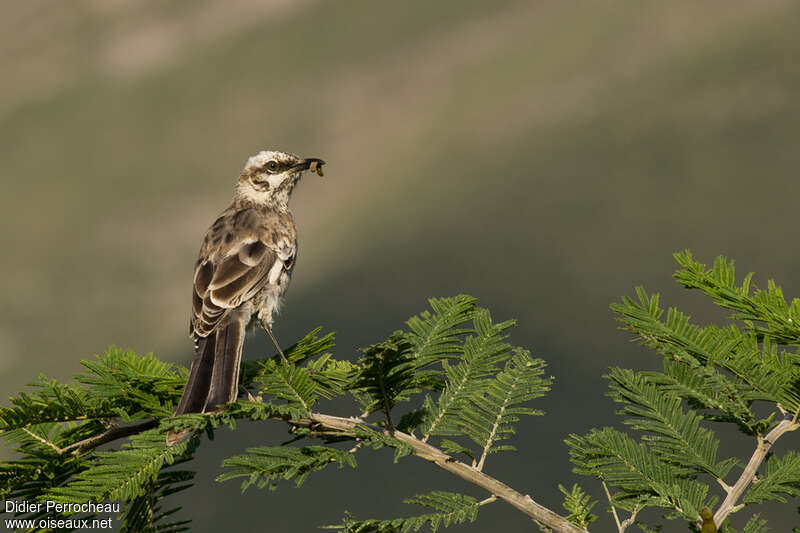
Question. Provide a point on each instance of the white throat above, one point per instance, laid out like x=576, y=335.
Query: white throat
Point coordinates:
x=276, y=196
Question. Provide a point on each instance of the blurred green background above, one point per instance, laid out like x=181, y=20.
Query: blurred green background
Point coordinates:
x=545, y=157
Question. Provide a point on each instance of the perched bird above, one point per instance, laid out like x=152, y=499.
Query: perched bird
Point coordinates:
x=245, y=263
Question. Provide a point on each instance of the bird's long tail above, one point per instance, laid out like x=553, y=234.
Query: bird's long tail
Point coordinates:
x=214, y=378
x=197, y=387
x=227, y=355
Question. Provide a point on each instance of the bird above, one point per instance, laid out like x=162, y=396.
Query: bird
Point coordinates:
x=242, y=271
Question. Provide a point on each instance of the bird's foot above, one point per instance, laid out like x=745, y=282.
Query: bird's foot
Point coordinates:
x=275, y=342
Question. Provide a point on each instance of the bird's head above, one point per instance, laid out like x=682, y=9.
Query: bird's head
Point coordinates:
x=269, y=177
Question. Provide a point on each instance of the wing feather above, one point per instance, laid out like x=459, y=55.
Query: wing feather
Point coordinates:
x=229, y=269
x=237, y=259
x=232, y=294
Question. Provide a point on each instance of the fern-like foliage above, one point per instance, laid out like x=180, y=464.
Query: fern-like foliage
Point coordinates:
x=755, y=525
x=481, y=354
x=781, y=479
x=409, y=361
x=448, y=509
x=781, y=321
x=301, y=386
x=262, y=466
x=489, y=417
x=673, y=434
x=118, y=384
x=130, y=381
x=37, y=473
x=388, y=374
x=477, y=386
x=379, y=439
x=436, y=333
x=52, y=402
x=121, y=474
x=579, y=505
x=144, y=514
x=739, y=373
x=465, y=388
x=642, y=478
x=293, y=385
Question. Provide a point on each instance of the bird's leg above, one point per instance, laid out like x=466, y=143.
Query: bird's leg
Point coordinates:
x=268, y=329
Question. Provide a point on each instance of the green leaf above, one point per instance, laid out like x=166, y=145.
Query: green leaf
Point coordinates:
x=435, y=336
x=449, y=509
x=121, y=474
x=675, y=435
x=769, y=307
x=301, y=386
x=292, y=384
x=758, y=371
x=263, y=465
x=388, y=373
x=452, y=447
x=489, y=417
x=144, y=513
x=642, y=477
x=781, y=478
x=127, y=379
x=579, y=505
x=755, y=525
x=481, y=354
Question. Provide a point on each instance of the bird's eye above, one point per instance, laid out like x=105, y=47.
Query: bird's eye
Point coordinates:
x=272, y=166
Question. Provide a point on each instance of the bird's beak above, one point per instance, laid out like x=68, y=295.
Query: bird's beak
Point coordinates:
x=312, y=163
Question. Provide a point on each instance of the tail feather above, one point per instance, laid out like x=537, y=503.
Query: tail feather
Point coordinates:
x=214, y=378
x=196, y=391
x=227, y=356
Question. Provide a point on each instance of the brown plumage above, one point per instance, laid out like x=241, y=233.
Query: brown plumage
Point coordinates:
x=243, y=269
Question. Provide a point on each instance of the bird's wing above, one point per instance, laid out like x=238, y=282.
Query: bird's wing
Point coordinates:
x=239, y=256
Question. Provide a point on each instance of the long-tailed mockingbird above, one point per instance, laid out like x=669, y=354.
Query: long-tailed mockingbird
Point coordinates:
x=244, y=267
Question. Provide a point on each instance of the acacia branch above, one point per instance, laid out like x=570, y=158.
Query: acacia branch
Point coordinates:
x=341, y=427
x=42, y=440
x=613, y=508
x=628, y=521
x=625, y=524
x=111, y=434
x=423, y=450
x=762, y=448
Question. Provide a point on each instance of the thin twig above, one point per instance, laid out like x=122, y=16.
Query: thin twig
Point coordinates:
x=43, y=440
x=628, y=521
x=490, y=499
x=613, y=509
x=344, y=426
x=762, y=448
x=625, y=524
x=277, y=347
x=114, y=433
